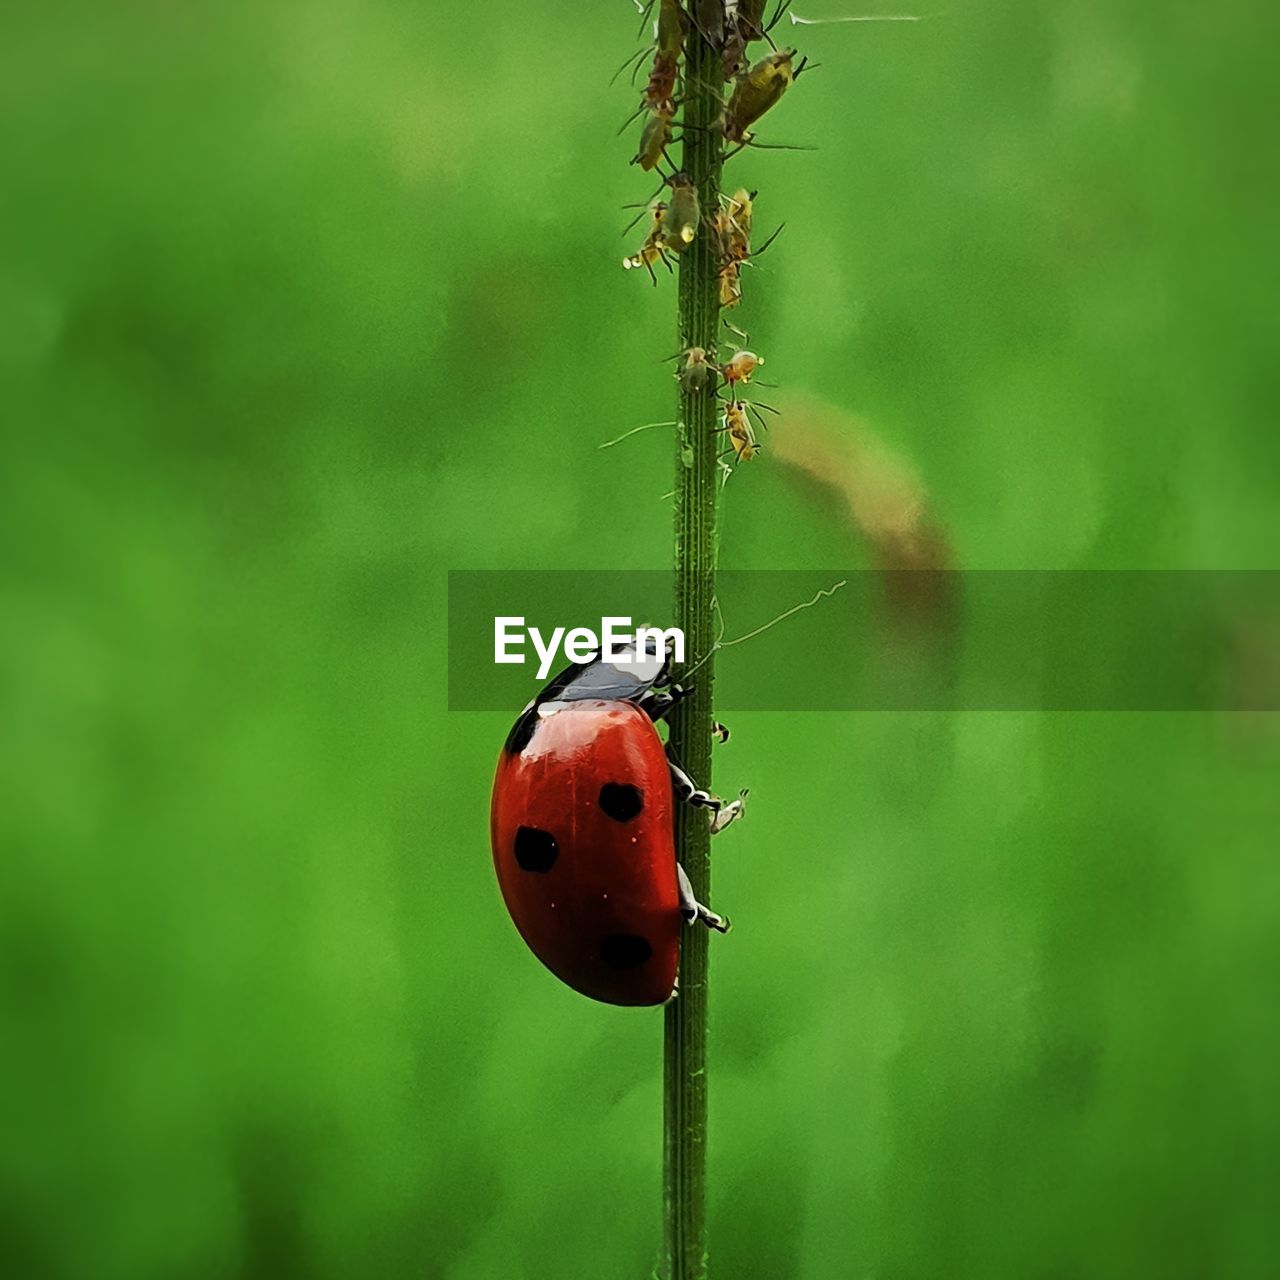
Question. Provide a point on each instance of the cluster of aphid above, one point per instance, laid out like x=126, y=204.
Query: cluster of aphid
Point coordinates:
x=698, y=371
x=675, y=215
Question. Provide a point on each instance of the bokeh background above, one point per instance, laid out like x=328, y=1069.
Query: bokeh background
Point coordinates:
x=304, y=304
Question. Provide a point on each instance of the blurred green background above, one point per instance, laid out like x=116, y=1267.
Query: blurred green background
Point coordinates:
x=304, y=304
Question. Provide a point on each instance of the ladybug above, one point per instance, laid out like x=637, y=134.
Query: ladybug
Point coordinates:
x=583, y=831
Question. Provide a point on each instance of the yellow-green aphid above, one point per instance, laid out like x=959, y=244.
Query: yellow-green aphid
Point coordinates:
x=673, y=26
x=733, y=243
x=741, y=436
x=757, y=90
x=735, y=224
x=657, y=211
x=651, y=251
x=695, y=371
x=654, y=136
x=731, y=283
x=740, y=367
x=680, y=221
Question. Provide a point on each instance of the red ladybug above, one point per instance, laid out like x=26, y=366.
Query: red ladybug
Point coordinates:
x=583, y=834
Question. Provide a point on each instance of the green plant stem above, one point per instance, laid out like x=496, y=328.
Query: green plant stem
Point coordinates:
x=685, y=1031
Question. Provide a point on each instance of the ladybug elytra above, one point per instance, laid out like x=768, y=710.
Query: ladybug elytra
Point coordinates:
x=583, y=831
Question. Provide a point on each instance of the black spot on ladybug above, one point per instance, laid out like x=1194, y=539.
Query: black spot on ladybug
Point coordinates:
x=536, y=850
x=624, y=951
x=621, y=801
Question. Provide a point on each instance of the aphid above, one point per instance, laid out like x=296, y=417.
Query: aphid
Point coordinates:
x=740, y=366
x=709, y=17
x=660, y=91
x=737, y=422
x=744, y=22
x=659, y=95
x=670, y=29
x=682, y=215
x=733, y=234
x=741, y=435
x=673, y=26
x=651, y=251
x=657, y=210
x=734, y=55
x=757, y=90
x=654, y=137
x=645, y=257
x=582, y=826
x=668, y=42
x=696, y=370
x=751, y=18
x=734, y=50
x=735, y=224
x=731, y=283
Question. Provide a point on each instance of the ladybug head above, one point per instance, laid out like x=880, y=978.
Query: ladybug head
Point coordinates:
x=647, y=658
x=634, y=667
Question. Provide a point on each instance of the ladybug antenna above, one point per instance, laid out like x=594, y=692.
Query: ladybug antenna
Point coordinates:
x=722, y=643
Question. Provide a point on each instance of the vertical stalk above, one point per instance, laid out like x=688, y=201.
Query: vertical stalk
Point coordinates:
x=685, y=1030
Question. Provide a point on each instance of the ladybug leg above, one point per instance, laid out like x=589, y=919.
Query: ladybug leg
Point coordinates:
x=728, y=813
x=657, y=704
x=723, y=812
x=693, y=910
